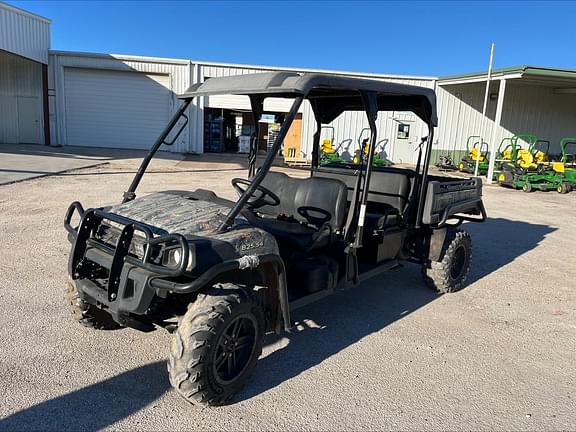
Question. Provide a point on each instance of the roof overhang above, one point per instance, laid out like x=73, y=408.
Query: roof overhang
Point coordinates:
x=527, y=74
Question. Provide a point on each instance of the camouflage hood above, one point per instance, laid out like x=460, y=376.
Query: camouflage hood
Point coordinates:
x=198, y=220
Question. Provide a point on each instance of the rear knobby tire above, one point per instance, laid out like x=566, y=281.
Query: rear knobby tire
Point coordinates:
x=86, y=314
x=450, y=273
x=200, y=366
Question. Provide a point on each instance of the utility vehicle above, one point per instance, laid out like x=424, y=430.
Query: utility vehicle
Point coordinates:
x=221, y=274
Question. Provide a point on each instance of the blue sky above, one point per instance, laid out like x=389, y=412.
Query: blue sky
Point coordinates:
x=416, y=38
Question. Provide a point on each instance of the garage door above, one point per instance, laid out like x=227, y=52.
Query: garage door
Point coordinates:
x=115, y=109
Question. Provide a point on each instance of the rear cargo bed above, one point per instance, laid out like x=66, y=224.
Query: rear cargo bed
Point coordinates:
x=449, y=196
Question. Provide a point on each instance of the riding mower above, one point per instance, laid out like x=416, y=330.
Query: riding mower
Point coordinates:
x=478, y=152
x=329, y=154
x=379, y=160
x=533, y=171
x=507, y=155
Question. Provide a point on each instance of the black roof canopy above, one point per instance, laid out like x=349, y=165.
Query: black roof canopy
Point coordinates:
x=330, y=95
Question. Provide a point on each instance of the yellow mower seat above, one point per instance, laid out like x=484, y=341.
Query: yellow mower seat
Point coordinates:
x=327, y=147
x=558, y=167
x=540, y=157
x=476, y=155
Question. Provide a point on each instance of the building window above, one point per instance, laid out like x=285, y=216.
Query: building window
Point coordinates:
x=403, y=131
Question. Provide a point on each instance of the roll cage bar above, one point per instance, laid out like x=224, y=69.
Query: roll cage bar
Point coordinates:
x=329, y=96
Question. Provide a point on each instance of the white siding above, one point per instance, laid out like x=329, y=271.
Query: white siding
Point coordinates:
x=538, y=110
x=20, y=81
x=238, y=101
x=349, y=124
x=24, y=34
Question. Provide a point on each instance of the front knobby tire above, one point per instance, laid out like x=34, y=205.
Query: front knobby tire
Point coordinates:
x=87, y=314
x=217, y=344
x=449, y=274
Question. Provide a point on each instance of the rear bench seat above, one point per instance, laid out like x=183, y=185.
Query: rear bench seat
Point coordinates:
x=388, y=195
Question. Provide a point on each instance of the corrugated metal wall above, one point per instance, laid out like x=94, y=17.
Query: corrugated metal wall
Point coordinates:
x=24, y=34
x=348, y=125
x=460, y=114
x=19, y=78
x=538, y=110
x=527, y=109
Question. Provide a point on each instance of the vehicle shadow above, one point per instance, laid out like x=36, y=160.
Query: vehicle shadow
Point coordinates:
x=347, y=317
x=498, y=242
x=96, y=406
x=338, y=322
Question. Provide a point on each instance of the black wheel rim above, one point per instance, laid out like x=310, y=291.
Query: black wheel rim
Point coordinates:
x=234, y=349
x=458, y=263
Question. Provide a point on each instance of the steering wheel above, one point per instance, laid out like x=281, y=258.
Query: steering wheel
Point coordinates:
x=316, y=216
x=260, y=197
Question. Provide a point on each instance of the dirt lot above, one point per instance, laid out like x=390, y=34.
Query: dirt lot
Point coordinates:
x=387, y=355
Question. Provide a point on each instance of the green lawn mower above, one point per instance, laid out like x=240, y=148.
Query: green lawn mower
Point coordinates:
x=532, y=170
x=477, y=152
x=379, y=159
x=330, y=154
x=509, y=152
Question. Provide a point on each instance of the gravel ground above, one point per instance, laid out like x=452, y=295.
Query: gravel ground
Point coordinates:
x=389, y=354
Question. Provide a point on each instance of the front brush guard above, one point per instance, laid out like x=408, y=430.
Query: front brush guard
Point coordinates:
x=82, y=237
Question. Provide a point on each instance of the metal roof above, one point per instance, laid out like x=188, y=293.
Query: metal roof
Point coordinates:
x=524, y=71
x=330, y=95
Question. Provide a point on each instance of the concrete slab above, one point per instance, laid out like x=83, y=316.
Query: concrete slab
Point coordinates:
x=24, y=161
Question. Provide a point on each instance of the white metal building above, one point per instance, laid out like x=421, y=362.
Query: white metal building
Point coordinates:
x=124, y=102
x=24, y=44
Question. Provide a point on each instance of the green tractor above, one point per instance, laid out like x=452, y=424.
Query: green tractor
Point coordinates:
x=379, y=159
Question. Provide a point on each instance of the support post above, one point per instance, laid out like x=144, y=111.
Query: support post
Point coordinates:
x=497, y=122
x=486, y=92
x=257, y=105
x=370, y=102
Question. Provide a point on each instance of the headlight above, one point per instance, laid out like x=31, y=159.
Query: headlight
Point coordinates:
x=171, y=258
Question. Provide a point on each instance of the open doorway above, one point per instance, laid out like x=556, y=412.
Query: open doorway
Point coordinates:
x=230, y=131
